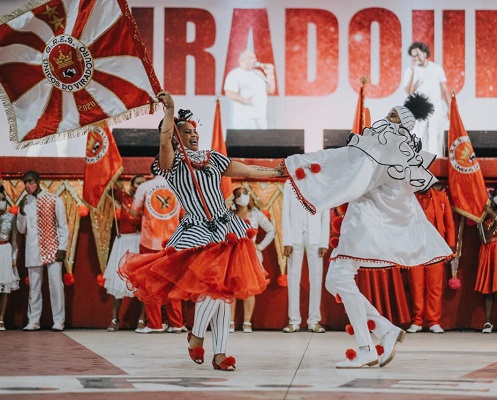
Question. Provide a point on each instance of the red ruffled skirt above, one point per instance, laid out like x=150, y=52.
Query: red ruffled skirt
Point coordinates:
x=486, y=276
x=225, y=270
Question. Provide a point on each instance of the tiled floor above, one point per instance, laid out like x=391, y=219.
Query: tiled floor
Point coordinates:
x=94, y=364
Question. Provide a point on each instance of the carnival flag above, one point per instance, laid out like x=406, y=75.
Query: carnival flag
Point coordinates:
x=67, y=64
x=219, y=145
x=466, y=183
x=362, y=118
x=103, y=165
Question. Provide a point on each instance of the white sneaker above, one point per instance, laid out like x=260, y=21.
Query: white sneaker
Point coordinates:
x=316, y=328
x=487, y=328
x=414, y=328
x=31, y=327
x=362, y=359
x=174, y=329
x=247, y=327
x=58, y=327
x=291, y=328
x=389, y=341
x=2, y=326
x=232, y=327
x=149, y=330
x=436, y=329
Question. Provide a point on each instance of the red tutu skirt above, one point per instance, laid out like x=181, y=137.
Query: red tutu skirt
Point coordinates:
x=225, y=270
x=486, y=276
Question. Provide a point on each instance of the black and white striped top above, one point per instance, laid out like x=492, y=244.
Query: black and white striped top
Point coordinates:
x=195, y=229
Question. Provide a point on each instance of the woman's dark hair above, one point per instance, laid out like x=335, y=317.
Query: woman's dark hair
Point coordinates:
x=2, y=189
x=135, y=178
x=421, y=46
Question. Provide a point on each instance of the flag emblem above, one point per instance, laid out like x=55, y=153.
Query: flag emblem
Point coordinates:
x=462, y=157
x=97, y=145
x=161, y=203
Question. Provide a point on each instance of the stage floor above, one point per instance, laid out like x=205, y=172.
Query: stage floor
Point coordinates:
x=95, y=364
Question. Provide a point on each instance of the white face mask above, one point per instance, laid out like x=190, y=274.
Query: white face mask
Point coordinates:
x=3, y=205
x=243, y=200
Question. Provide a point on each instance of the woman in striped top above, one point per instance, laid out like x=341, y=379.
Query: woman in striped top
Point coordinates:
x=210, y=258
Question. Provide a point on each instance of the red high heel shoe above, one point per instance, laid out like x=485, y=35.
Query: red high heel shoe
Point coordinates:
x=228, y=364
x=197, y=353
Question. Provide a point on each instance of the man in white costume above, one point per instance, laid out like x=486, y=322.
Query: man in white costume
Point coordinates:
x=310, y=233
x=42, y=218
x=377, y=174
x=428, y=78
x=248, y=87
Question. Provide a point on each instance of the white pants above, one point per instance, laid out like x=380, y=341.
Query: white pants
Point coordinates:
x=340, y=279
x=250, y=123
x=217, y=314
x=294, y=273
x=431, y=132
x=56, y=287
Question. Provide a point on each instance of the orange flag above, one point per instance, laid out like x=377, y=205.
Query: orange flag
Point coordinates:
x=362, y=117
x=466, y=183
x=219, y=145
x=103, y=166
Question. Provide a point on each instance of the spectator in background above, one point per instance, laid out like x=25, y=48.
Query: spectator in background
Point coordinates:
x=248, y=86
x=426, y=77
x=426, y=282
x=42, y=217
x=310, y=233
x=9, y=278
x=128, y=239
x=245, y=209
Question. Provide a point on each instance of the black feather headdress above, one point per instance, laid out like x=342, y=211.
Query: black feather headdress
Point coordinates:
x=419, y=105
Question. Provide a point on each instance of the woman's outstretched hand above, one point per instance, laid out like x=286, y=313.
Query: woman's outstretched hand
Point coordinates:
x=165, y=97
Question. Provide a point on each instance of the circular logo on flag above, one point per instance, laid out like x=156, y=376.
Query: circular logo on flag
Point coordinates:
x=462, y=157
x=97, y=145
x=162, y=203
x=67, y=63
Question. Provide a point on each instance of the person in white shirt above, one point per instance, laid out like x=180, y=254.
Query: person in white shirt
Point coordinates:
x=245, y=209
x=42, y=218
x=310, y=233
x=248, y=86
x=428, y=78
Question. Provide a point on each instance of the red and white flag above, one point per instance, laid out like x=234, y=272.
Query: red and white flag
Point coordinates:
x=362, y=118
x=67, y=64
x=103, y=165
x=466, y=182
x=219, y=145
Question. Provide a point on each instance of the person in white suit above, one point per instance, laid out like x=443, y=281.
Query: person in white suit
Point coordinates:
x=310, y=233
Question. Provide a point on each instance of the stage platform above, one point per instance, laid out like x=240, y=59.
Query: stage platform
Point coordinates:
x=94, y=364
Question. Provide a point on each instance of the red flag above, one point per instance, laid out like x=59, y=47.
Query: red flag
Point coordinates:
x=362, y=116
x=219, y=145
x=466, y=183
x=67, y=65
x=103, y=166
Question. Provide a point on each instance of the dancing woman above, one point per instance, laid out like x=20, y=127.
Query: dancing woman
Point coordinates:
x=211, y=257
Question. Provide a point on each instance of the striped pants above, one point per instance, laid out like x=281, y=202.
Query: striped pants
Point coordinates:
x=217, y=314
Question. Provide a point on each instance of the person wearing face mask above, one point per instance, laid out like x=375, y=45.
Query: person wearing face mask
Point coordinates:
x=211, y=257
x=248, y=86
x=425, y=77
x=9, y=277
x=377, y=174
x=128, y=238
x=246, y=211
x=42, y=218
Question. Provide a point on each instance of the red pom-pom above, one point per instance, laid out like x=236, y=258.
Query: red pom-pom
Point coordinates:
x=170, y=250
x=379, y=349
x=371, y=325
x=338, y=299
x=26, y=281
x=100, y=280
x=251, y=232
x=198, y=352
x=336, y=224
x=68, y=279
x=118, y=213
x=300, y=173
x=454, y=283
x=350, y=354
x=267, y=214
x=315, y=168
x=349, y=329
x=14, y=209
x=229, y=361
x=334, y=242
x=341, y=210
x=282, y=280
x=231, y=238
x=83, y=210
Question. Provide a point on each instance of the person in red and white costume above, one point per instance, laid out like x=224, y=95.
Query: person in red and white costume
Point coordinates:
x=377, y=174
x=42, y=217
